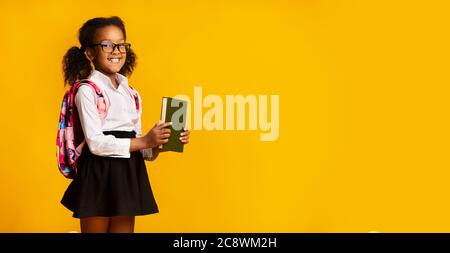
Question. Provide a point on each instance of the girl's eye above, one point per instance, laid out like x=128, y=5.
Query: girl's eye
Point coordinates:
x=106, y=45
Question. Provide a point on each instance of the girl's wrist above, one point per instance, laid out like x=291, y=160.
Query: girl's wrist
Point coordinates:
x=147, y=142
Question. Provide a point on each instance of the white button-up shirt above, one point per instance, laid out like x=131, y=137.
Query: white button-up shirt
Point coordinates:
x=120, y=116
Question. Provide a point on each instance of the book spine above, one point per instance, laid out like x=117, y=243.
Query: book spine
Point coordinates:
x=163, y=113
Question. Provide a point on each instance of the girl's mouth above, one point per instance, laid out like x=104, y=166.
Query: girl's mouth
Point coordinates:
x=115, y=60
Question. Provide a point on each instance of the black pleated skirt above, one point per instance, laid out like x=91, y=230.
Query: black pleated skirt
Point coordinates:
x=108, y=186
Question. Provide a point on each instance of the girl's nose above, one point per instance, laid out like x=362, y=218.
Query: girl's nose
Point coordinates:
x=114, y=49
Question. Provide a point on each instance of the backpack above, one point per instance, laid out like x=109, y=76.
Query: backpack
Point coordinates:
x=70, y=138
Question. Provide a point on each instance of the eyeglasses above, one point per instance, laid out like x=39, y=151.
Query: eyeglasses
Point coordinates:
x=109, y=47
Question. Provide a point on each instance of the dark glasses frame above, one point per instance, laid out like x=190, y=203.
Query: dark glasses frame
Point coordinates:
x=118, y=46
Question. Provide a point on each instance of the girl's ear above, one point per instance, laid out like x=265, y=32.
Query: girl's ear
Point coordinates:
x=89, y=54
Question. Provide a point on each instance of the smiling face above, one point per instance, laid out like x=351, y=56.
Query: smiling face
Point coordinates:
x=108, y=63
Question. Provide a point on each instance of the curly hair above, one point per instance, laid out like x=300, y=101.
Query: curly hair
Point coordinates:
x=76, y=65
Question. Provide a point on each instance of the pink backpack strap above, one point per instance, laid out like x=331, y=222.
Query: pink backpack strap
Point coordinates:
x=135, y=95
x=102, y=101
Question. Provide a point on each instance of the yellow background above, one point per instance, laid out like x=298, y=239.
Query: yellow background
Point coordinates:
x=364, y=123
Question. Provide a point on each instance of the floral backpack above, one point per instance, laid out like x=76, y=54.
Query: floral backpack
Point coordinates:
x=70, y=138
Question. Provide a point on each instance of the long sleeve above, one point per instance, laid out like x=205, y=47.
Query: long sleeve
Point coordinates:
x=98, y=143
x=146, y=153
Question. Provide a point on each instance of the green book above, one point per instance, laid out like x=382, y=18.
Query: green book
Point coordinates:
x=174, y=110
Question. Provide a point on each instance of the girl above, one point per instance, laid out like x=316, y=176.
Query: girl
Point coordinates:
x=112, y=185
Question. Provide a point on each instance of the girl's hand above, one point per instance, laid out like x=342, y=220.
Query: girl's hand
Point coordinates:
x=158, y=135
x=185, y=136
x=184, y=139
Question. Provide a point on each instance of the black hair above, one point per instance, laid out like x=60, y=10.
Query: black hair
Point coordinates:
x=76, y=65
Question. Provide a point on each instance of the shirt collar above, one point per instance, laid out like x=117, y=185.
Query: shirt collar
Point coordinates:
x=103, y=80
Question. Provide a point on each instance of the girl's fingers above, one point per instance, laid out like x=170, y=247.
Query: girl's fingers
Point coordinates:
x=166, y=124
x=160, y=122
x=165, y=136
x=166, y=130
x=184, y=140
x=162, y=141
